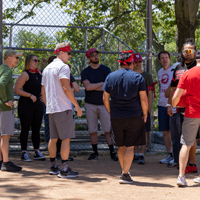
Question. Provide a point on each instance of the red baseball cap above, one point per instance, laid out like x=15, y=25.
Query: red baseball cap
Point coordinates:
x=90, y=51
x=137, y=57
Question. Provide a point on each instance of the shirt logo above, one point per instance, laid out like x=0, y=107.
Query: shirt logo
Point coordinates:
x=137, y=56
x=165, y=78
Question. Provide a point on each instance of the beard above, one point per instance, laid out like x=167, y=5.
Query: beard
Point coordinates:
x=94, y=62
x=189, y=59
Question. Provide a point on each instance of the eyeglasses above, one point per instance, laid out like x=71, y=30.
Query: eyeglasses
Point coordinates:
x=190, y=51
x=69, y=53
x=35, y=60
x=96, y=55
x=17, y=57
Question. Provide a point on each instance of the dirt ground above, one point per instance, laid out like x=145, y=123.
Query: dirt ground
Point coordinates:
x=97, y=180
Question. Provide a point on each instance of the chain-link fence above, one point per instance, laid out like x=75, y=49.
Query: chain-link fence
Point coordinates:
x=36, y=29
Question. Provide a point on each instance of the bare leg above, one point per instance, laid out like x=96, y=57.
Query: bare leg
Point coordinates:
x=5, y=147
x=52, y=148
x=143, y=147
x=192, y=153
x=136, y=149
x=120, y=154
x=183, y=158
x=167, y=141
x=128, y=158
x=0, y=149
x=65, y=149
x=94, y=138
x=107, y=134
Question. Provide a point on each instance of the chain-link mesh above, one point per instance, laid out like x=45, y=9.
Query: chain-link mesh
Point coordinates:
x=38, y=33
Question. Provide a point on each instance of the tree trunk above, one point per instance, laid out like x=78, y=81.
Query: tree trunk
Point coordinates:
x=186, y=20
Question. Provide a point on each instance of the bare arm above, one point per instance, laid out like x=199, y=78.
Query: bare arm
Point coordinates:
x=177, y=96
x=92, y=86
x=167, y=92
x=144, y=104
x=43, y=94
x=19, y=85
x=75, y=86
x=70, y=95
x=106, y=97
x=150, y=100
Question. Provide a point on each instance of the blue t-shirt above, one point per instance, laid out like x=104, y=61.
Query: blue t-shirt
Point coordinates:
x=94, y=76
x=124, y=86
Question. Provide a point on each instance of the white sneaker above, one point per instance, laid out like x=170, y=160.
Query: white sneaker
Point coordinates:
x=197, y=180
x=167, y=159
x=181, y=181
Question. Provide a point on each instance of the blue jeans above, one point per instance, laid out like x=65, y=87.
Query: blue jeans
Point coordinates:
x=175, y=130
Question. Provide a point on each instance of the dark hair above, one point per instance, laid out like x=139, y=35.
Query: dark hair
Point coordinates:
x=51, y=58
x=128, y=63
x=28, y=60
x=187, y=41
x=165, y=52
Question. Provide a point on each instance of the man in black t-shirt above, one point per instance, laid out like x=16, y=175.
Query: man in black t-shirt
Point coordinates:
x=93, y=78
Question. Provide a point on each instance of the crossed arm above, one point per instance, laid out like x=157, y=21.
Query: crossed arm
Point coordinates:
x=92, y=86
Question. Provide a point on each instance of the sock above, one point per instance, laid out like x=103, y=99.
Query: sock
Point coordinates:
x=94, y=147
x=111, y=149
x=137, y=154
x=141, y=154
x=64, y=165
x=193, y=165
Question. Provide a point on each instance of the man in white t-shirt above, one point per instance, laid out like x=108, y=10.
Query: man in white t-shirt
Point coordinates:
x=164, y=79
x=58, y=96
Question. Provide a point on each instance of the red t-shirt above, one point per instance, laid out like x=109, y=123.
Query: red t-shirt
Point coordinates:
x=190, y=81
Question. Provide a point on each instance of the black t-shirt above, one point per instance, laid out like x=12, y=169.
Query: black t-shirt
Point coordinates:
x=179, y=70
x=95, y=76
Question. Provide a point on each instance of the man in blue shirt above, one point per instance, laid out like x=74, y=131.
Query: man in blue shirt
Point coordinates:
x=128, y=110
x=93, y=78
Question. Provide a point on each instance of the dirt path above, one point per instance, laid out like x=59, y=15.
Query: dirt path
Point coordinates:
x=97, y=180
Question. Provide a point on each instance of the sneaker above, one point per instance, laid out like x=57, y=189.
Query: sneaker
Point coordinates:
x=70, y=158
x=191, y=169
x=166, y=160
x=68, y=174
x=135, y=159
x=54, y=170
x=10, y=167
x=58, y=156
x=173, y=164
x=25, y=157
x=93, y=156
x=1, y=163
x=114, y=157
x=39, y=156
x=197, y=180
x=126, y=179
x=141, y=160
x=181, y=181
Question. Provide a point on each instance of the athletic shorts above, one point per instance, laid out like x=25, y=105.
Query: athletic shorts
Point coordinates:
x=163, y=119
x=129, y=131
x=95, y=112
x=190, y=129
x=61, y=125
x=7, y=121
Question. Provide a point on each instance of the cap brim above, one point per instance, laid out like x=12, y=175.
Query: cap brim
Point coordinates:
x=19, y=53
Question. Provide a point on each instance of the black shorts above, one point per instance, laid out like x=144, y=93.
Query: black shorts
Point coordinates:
x=129, y=131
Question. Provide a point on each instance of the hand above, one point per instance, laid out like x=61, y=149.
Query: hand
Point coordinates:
x=144, y=117
x=33, y=98
x=169, y=111
x=79, y=111
x=41, y=99
x=9, y=103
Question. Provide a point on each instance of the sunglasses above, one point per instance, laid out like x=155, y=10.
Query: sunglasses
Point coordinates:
x=17, y=57
x=35, y=60
x=190, y=51
x=69, y=53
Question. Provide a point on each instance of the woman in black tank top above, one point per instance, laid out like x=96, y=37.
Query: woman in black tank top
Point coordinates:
x=30, y=109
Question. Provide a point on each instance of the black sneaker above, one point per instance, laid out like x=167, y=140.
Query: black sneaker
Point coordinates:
x=114, y=157
x=70, y=158
x=10, y=167
x=93, y=156
x=39, y=156
x=135, y=159
x=25, y=157
x=141, y=160
x=126, y=179
x=68, y=174
x=54, y=170
x=1, y=163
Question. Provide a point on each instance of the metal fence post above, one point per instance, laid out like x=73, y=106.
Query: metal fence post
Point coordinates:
x=1, y=33
x=85, y=47
x=103, y=44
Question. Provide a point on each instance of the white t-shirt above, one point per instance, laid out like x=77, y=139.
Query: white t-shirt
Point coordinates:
x=164, y=79
x=56, y=99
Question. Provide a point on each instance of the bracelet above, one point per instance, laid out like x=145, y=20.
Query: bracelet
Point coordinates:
x=168, y=105
x=30, y=96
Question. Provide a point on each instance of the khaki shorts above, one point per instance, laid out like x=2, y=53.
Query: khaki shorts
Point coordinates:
x=190, y=129
x=7, y=121
x=95, y=112
x=61, y=125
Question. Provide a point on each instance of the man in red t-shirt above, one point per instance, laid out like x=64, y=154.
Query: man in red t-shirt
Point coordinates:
x=190, y=81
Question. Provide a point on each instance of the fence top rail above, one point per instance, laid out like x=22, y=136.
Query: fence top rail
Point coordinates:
x=54, y=26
